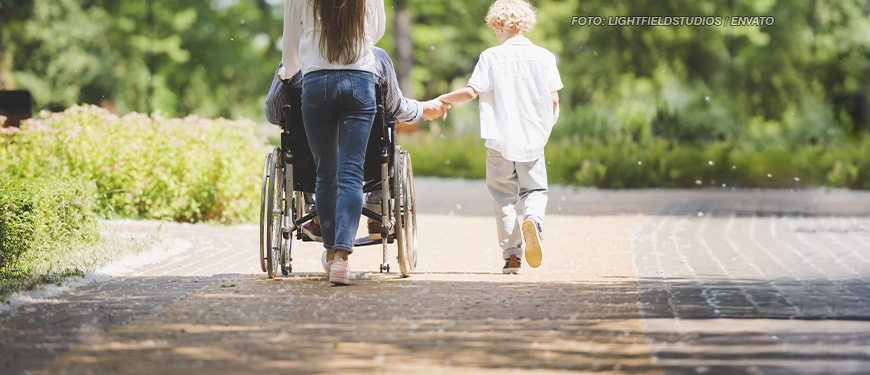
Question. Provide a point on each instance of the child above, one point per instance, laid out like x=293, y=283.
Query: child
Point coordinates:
x=517, y=82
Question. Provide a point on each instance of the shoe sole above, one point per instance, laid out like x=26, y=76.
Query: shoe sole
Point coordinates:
x=339, y=278
x=338, y=281
x=533, y=252
x=510, y=271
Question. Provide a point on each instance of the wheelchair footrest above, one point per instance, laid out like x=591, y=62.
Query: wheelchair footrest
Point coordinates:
x=366, y=241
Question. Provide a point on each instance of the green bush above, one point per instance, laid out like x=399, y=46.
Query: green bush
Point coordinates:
x=445, y=155
x=660, y=163
x=41, y=220
x=188, y=169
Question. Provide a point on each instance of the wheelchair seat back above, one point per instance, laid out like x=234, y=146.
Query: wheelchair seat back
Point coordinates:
x=295, y=141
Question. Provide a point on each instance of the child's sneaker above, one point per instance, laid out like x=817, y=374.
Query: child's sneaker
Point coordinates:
x=312, y=230
x=512, y=265
x=339, y=274
x=534, y=242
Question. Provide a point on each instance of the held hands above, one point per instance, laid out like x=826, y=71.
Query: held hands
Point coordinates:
x=459, y=96
x=435, y=108
x=444, y=107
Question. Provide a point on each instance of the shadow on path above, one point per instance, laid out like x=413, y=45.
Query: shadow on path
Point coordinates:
x=33, y=334
x=300, y=324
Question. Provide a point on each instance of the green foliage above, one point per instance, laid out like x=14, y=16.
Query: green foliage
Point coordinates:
x=807, y=75
x=660, y=163
x=187, y=169
x=800, y=84
x=446, y=156
x=789, y=100
x=158, y=55
x=40, y=220
x=803, y=80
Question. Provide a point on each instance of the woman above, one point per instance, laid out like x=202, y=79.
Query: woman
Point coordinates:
x=331, y=41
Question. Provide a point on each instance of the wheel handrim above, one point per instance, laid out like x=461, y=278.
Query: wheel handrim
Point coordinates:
x=263, y=198
x=411, y=212
x=401, y=238
x=273, y=239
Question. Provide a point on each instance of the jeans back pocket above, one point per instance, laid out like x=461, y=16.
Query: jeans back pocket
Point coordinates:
x=363, y=87
x=314, y=91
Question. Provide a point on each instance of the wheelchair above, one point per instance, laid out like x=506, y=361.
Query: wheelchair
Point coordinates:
x=289, y=180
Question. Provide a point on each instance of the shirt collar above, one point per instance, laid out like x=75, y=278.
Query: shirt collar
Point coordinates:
x=517, y=40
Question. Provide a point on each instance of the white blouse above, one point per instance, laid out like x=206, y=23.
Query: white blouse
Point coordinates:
x=301, y=39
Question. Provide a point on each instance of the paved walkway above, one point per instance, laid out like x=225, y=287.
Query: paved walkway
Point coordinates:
x=633, y=282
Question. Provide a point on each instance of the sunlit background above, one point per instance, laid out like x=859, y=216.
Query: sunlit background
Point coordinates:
x=153, y=110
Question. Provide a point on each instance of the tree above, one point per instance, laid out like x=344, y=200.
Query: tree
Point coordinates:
x=142, y=56
x=804, y=78
x=404, y=45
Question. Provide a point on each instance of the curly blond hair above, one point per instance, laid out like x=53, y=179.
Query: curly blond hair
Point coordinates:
x=518, y=15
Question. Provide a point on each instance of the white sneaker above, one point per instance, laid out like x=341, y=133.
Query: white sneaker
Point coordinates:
x=534, y=243
x=326, y=265
x=339, y=273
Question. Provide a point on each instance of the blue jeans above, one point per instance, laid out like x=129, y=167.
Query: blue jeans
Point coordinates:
x=338, y=108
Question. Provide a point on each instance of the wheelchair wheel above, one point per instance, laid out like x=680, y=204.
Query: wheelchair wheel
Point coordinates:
x=274, y=205
x=401, y=191
x=410, y=210
x=263, y=193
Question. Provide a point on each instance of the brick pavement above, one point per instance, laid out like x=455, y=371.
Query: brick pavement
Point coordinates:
x=723, y=292
x=634, y=282
x=34, y=333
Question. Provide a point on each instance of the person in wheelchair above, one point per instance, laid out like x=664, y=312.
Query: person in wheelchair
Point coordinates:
x=403, y=109
x=397, y=106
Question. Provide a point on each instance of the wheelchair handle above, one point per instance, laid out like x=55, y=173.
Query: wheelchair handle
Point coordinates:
x=379, y=91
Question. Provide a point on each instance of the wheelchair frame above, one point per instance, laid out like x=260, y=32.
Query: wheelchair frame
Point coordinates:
x=289, y=174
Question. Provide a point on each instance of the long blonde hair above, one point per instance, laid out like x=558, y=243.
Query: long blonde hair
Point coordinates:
x=342, y=29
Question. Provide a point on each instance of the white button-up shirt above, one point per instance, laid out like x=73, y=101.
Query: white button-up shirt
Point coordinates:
x=515, y=80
